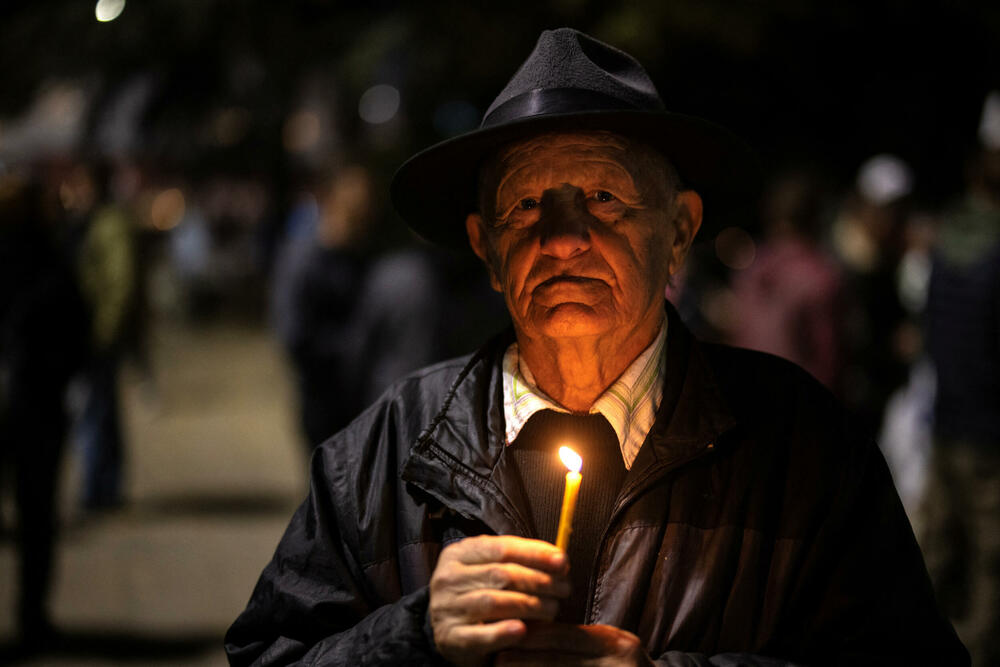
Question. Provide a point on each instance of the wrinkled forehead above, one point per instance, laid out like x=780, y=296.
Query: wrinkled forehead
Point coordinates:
x=606, y=153
x=596, y=144
x=554, y=159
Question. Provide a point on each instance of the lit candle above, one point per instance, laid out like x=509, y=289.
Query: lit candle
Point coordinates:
x=572, y=461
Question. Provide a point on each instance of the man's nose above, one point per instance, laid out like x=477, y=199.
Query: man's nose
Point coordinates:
x=564, y=226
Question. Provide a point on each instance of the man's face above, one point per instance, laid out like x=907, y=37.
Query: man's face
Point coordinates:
x=583, y=234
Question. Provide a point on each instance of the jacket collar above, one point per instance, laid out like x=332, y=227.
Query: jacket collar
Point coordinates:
x=458, y=458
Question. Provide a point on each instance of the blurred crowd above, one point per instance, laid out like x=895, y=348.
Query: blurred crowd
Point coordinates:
x=891, y=302
x=96, y=252
x=70, y=312
x=895, y=306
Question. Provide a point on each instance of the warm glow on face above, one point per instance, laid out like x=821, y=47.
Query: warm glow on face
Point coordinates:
x=570, y=459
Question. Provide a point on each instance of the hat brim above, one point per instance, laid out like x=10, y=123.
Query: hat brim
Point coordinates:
x=435, y=190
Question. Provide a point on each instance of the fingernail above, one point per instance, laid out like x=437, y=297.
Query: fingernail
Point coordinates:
x=558, y=559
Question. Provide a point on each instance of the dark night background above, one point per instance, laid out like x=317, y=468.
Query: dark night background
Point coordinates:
x=829, y=83
x=235, y=109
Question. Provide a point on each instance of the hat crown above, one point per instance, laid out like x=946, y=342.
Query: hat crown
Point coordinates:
x=570, y=71
x=573, y=83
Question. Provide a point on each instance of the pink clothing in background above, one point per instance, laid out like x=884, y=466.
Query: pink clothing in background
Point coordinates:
x=788, y=303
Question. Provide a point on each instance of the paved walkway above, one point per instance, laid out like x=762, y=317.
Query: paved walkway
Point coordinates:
x=214, y=471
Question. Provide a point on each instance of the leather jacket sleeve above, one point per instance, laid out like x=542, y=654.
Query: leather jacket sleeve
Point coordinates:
x=311, y=606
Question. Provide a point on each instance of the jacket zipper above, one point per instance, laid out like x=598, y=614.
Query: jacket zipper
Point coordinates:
x=652, y=476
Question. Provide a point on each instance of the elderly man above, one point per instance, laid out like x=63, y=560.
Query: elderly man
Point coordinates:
x=727, y=514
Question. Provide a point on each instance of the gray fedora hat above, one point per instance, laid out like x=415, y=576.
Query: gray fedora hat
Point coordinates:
x=571, y=82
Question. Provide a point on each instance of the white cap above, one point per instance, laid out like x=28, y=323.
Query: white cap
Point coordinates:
x=884, y=178
x=989, y=124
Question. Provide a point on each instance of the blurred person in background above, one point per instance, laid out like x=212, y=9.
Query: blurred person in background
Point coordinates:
x=962, y=510
x=727, y=507
x=298, y=234
x=420, y=304
x=236, y=206
x=190, y=256
x=355, y=317
x=400, y=315
x=215, y=245
x=907, y=424
x=126, y=185
x=868, y=237
x=44, y=339
x=790, y=301
x=702, y=293
x=316, y=297
x=104, y=251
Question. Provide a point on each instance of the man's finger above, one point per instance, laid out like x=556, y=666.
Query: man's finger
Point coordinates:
x=486, y=637
x=508, y=549
x=488, y=605
x=593, y=640
x=512, y=577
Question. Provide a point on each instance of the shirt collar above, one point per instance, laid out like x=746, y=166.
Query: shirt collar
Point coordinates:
x=629, y=404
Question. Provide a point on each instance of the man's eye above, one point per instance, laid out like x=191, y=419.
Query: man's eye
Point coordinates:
x=603, y=196
x=527, y=204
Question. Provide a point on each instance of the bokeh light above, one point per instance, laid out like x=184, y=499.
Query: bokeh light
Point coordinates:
x=378, y=104
x=109, y=10
x=302, y=131
x=167, y=209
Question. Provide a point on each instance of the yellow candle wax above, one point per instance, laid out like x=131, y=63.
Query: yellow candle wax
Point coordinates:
x=573, y=478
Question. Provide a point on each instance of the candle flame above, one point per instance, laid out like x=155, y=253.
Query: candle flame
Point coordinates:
x=570, y=459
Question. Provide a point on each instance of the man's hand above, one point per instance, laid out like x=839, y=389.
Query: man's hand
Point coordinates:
x=484, y=588
x=563, y=644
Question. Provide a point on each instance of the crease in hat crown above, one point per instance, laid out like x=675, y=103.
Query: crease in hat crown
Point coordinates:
x=570, y=66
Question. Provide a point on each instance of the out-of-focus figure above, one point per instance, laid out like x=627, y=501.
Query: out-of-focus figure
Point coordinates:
x=190, y=253
x=790, y=301
x=907, y=424
x=418, y=305
x=961, y=537
x=868, y=237
x=43, y=341
x=354, y=320
x=214, y=245
x=317, y=284
x=105, y=263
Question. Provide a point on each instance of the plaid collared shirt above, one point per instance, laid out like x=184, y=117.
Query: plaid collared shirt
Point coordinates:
x=629, y=404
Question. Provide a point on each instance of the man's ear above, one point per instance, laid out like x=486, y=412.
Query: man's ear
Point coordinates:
x=687, y=222
x=480, y=245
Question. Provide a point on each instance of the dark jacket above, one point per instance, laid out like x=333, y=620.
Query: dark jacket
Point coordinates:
x=963, y=338
x=752, y=522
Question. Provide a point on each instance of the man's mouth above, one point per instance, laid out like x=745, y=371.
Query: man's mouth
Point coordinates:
x=554, y=280
x=565, y=281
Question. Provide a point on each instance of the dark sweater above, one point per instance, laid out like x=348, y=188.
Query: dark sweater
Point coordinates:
x=543, y=476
